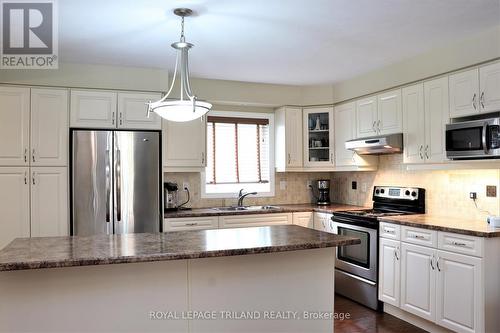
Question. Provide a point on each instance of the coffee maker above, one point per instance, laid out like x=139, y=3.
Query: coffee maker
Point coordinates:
x=323, y=192
x=170, y=196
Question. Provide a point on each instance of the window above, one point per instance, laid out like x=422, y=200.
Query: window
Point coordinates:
x=239, y=154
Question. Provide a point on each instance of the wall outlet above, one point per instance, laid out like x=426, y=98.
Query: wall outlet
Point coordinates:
x=491, y=191
x=473, y=195
x=283, y=185
x=364, y=187
x=354, y=185
x=185, y=185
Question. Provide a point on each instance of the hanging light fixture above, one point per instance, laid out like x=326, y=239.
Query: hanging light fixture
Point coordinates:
x=188, y=107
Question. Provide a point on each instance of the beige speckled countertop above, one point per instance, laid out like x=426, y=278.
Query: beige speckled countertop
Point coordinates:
x=52, y=252
x=442, y=223
x=289, y=208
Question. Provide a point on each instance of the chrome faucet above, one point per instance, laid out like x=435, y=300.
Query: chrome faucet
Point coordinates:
x=242, y=196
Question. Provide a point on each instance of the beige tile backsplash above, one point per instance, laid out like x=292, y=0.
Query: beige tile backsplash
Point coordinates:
x=447, y=191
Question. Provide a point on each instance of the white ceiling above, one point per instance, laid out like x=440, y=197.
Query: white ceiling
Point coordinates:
x=273, y=41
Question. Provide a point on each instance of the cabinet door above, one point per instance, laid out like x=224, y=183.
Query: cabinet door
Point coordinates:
x=418, y=281
x=93, y=109
x=414, y=122
x=464, y=93
x=132, y=111
x=304, y=219
x=459, y=289
x=191, y=223
x=321, y=222
x=390, y=115
x=14, y=126
x=436, y=108
x=345, y=130
x=366, y=117
x=293, y=140
x=49, y=202
x=254, y=220
x=389, y=272
x=184, y=143
x=489, y=98
x=14, y=204
x=318, y=137
x=49, y=127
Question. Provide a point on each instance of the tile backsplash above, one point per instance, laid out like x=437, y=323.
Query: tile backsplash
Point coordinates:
x=447, y=191
x=295, y=192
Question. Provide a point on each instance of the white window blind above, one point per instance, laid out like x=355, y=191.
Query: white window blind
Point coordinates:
x=237, y=150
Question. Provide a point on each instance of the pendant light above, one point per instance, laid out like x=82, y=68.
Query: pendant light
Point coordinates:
x=188, y=106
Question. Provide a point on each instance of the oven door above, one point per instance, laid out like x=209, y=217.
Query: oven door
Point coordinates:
x=473, y=139
x=359, y=259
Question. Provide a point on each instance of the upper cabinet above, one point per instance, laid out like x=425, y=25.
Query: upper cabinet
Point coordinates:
x=475, y=91
x=425, y=114
x=132, y=111
x=345, y=130
x=288, y=137
x=14, y=126
x=184, y=145
x=93, y=109
x=381, y=114
x=49, y=127
x=318, y=137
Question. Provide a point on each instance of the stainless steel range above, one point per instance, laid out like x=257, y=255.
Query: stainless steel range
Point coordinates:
x=356, y=267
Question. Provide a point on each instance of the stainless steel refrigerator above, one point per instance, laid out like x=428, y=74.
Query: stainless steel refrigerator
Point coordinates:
x=115, y=182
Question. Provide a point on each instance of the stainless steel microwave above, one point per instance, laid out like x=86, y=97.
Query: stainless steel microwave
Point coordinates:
x=476, y=139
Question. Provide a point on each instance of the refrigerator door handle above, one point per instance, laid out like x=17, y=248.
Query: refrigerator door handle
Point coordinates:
x=108, y=189
x=118, y=187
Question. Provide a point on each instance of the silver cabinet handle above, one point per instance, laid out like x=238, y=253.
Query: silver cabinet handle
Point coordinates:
x=289, y=158
x=324, y=225
x=389, y=231
x=33, y=155
x=25, y=155
x=352, y=157
x=379, y=123
x=427, y=151
x=418, y=236
x=474, y=101
x=373, y=126
x=437, y=264
x=113, y=118
x=148, y=109
x=458, y=243
x=481, y=99
x=202, y=158
x=396, y=254
x=432, y=264
x=25, y=178
x=192, y=224
x=420, y=152
x=33, y=178
x=121, y=118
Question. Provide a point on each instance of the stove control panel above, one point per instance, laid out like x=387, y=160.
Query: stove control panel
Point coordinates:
x=394, y=192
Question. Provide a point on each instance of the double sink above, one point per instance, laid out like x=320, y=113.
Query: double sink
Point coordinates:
x=248, y=208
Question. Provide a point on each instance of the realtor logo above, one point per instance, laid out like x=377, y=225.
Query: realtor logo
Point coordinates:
x=29, y=34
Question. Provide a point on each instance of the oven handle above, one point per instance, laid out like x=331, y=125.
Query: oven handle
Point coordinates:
x=485, y=146
x=371, y=283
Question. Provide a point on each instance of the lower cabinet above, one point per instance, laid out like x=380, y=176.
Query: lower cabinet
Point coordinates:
x=257, y=220
x=190, y=223
x=443, y=287
x=323, y=222
x=304, y=219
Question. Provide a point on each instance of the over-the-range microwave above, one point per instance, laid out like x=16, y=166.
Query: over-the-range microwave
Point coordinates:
x=475, y=139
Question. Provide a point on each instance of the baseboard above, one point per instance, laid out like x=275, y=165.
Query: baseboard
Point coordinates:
x=414, y=320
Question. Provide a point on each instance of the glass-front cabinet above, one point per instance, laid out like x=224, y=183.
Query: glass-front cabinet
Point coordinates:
x=318, y=137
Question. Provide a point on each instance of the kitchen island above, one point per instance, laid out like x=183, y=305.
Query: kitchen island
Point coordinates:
x=261, y=279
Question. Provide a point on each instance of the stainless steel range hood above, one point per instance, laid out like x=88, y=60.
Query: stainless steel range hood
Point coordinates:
x=377, y=145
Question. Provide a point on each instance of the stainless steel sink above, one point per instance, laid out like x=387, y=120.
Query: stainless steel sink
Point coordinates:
x=247, y=208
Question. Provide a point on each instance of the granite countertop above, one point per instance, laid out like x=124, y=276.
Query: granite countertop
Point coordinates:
x=288, y=208
x=470, y=227
x=52, y=252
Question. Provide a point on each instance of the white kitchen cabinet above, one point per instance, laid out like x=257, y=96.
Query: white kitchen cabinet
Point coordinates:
x=464, y=93
x=318, y=137
x=132, y=111
x=425, y=114
x=414, y=124
x=304, y=219
x=345, y=130
x=49, y=202
x=390, y=116
x=14, y=204
x=389, y=271
x=366, y=117
x=418, y=281
x=190, y=223
x=323, y=222
x=93, y=109
x=254, y=220
x=459, y=292
x=14, y=126
x=288, y=138
x=489, y=84
x=49, y=127
x=184, y=144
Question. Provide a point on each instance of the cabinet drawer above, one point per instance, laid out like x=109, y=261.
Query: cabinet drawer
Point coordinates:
x=419, y=236
x=465, y=244
x=389, y=230
x=255, y=220
x=190, y=223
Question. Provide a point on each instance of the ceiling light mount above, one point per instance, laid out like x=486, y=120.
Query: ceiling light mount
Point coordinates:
x=188, y=106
